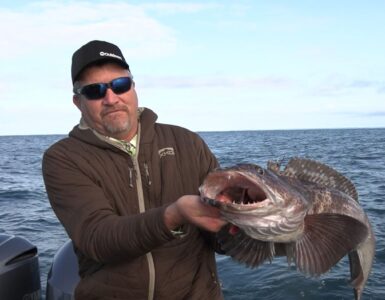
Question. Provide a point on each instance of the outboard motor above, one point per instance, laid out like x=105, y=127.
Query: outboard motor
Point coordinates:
x=19, y=269
x=63, y=276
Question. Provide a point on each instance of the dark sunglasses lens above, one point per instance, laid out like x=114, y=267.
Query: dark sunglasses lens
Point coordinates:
x=121, y=85
x=94, y=91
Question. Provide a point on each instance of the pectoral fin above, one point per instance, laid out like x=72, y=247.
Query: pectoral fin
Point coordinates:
x=327, y=238
x=244, y=249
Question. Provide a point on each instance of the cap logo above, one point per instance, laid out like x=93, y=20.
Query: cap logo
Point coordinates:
x=110, y=55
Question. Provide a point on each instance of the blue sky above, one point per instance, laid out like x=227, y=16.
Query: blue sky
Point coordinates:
x=205, y=65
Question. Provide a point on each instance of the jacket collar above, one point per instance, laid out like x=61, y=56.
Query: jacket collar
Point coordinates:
x=147, y=119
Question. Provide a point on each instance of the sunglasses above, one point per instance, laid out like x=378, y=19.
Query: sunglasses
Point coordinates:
x=97, y=91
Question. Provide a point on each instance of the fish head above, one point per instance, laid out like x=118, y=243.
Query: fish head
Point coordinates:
x=257, y=200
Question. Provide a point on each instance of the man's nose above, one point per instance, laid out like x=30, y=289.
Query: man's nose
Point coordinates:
x=110, y=97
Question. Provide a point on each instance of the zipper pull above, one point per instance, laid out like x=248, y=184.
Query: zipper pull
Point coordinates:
x=147, y=173
x=130, y=177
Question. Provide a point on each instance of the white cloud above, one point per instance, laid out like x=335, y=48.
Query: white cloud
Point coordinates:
x=341, y=85
x=177, y=7
x=216, y=81
x=48, y=26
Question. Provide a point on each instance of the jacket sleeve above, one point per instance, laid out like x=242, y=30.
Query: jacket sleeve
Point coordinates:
x=90, y=221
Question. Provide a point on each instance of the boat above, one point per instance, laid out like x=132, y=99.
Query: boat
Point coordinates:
x=20, y=274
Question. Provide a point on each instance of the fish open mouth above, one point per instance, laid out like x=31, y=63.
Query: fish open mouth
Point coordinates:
x=237, y=190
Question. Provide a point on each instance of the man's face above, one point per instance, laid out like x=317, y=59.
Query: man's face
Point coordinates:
x=113, y=115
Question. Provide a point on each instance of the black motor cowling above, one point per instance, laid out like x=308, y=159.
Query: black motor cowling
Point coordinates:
x=63, y=276
x=19, y=269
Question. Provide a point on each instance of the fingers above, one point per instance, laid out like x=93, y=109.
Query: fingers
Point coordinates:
x=200, y=214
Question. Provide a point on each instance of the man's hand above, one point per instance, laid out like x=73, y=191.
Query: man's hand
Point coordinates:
x=190, y=209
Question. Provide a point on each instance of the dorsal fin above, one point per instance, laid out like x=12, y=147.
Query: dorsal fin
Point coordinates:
x=321, y=174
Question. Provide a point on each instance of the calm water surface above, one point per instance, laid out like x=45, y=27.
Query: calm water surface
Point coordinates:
x=358, y=153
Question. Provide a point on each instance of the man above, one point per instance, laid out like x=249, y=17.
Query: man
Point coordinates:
x=126, y=190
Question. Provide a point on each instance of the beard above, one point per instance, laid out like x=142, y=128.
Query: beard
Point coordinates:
x=117, y=124
x=118, y=121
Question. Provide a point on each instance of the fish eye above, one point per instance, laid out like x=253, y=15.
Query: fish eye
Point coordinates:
x=260, y=170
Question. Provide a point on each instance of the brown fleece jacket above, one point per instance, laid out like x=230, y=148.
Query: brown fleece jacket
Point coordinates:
x=95, y=189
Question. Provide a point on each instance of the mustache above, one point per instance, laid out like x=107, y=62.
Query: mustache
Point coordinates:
x=114, y=108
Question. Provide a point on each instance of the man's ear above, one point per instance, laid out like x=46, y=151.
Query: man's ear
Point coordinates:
x=76, y=100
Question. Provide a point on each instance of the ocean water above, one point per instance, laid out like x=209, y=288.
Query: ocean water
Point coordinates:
x=357, y=153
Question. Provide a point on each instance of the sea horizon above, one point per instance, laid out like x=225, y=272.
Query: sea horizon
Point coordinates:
x=217, y=131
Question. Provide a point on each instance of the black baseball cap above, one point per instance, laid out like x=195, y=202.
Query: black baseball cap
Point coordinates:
x=93, y=52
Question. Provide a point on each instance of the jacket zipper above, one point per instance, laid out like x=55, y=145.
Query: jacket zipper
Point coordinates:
x=142, y=208
x=147, y=173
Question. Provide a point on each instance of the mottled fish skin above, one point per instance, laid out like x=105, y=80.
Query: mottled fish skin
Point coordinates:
x=308, y=212
x=336, y=185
